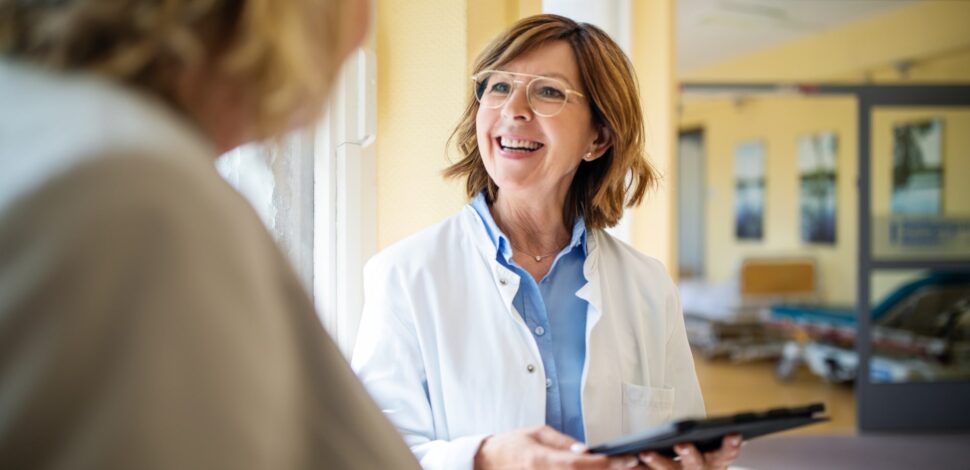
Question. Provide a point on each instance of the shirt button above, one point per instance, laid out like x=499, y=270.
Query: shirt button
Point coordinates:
x=531, y=368
x=548, y=383
x=540, y=331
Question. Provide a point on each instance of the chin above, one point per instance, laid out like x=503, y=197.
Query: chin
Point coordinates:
x=510, y=183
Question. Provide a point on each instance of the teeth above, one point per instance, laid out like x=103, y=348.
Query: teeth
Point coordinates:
x=519, y=144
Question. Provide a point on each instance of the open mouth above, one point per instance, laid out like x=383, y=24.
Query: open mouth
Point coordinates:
x=518, y=145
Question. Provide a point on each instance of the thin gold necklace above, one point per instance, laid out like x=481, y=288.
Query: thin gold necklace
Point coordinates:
x=539, y=258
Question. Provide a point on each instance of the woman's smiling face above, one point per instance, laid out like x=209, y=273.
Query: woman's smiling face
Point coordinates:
x=525, y=152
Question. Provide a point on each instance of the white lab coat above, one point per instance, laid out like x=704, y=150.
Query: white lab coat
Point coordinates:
x=450, y=361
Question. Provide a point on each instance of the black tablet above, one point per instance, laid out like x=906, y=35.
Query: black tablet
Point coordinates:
x=706, y=434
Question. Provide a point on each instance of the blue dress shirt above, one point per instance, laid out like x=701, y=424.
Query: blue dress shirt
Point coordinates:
x=556, y=318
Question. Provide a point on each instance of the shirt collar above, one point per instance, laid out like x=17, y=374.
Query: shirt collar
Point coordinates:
x=501, y=242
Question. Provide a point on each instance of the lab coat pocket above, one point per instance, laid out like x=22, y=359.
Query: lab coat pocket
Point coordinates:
x=644, y=407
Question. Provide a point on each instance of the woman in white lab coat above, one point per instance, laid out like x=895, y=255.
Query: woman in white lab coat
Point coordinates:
x=518, y=327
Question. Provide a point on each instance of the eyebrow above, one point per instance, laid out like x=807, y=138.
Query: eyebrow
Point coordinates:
x=550, y=74
x=559, y=76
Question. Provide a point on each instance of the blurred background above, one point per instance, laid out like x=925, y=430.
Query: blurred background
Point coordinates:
x=815, y=203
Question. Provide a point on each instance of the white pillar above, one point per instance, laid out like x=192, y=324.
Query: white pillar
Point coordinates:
x=612, y=16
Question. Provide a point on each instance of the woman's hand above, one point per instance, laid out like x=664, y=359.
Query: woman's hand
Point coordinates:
x=541, y=447
x=690, y=458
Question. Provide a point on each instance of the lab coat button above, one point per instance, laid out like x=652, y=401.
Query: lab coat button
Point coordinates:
x=540, y=331
x=531, y=368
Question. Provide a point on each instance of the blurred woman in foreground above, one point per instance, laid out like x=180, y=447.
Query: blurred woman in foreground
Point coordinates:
x=147, y=319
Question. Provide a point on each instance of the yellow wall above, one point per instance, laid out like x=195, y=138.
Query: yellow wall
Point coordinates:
x=945, y=67
x=652, y=53
x=929, y=32
x=425, y=50
x=778, y=122
x=421, y=59
x=488, y=18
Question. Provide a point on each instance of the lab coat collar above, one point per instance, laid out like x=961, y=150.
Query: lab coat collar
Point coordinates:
x=591, y=292
x=499, y=240
x=508, y=281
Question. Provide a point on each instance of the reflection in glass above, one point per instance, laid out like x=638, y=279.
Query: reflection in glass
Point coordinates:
x=917, y=167
x=920, y=199
x=749, y=173
x=921, y=330
x=817, y=172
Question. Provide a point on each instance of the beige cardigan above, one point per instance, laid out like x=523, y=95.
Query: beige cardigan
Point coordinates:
x=147, y=319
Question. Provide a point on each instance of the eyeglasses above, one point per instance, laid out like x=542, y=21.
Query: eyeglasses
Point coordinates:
x=546, y=96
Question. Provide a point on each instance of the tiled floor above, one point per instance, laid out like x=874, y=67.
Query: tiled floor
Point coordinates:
x=730, y=388
x=835, y=445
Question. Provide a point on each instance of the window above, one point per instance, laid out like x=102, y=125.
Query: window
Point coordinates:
x=317, y=195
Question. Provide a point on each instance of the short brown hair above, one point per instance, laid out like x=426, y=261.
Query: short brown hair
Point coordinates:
x=272, y=47
x=600, y=189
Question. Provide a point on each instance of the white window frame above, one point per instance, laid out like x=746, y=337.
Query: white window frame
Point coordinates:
x=317, y=195
x=345, y=198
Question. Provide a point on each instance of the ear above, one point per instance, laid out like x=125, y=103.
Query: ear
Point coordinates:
x=602, y=143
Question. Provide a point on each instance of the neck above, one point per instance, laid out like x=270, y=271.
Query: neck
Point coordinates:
x=535, y=226
x=216, y=108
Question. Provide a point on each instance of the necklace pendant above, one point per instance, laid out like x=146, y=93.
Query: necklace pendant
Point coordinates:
x=538, y=258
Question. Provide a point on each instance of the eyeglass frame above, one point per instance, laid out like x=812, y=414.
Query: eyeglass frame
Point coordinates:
x=528, y=95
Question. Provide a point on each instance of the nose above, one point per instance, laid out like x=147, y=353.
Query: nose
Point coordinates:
x=517, y=107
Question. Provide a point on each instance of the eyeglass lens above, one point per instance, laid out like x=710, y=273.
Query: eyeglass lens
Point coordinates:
x=546, y=96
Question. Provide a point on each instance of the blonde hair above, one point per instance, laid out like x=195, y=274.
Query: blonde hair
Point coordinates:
x=272, y=48
x=600, y=189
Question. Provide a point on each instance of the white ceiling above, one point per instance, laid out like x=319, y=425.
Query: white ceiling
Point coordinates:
x=711, y=31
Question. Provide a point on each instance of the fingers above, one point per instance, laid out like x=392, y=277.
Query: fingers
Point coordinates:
x=566, y=459
x=535, y=448
x=730, y=450
x=563, y=451
x=690, y=457
x=566, y=452
x=548, y=436
x=624, y=462
x=656, y=461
